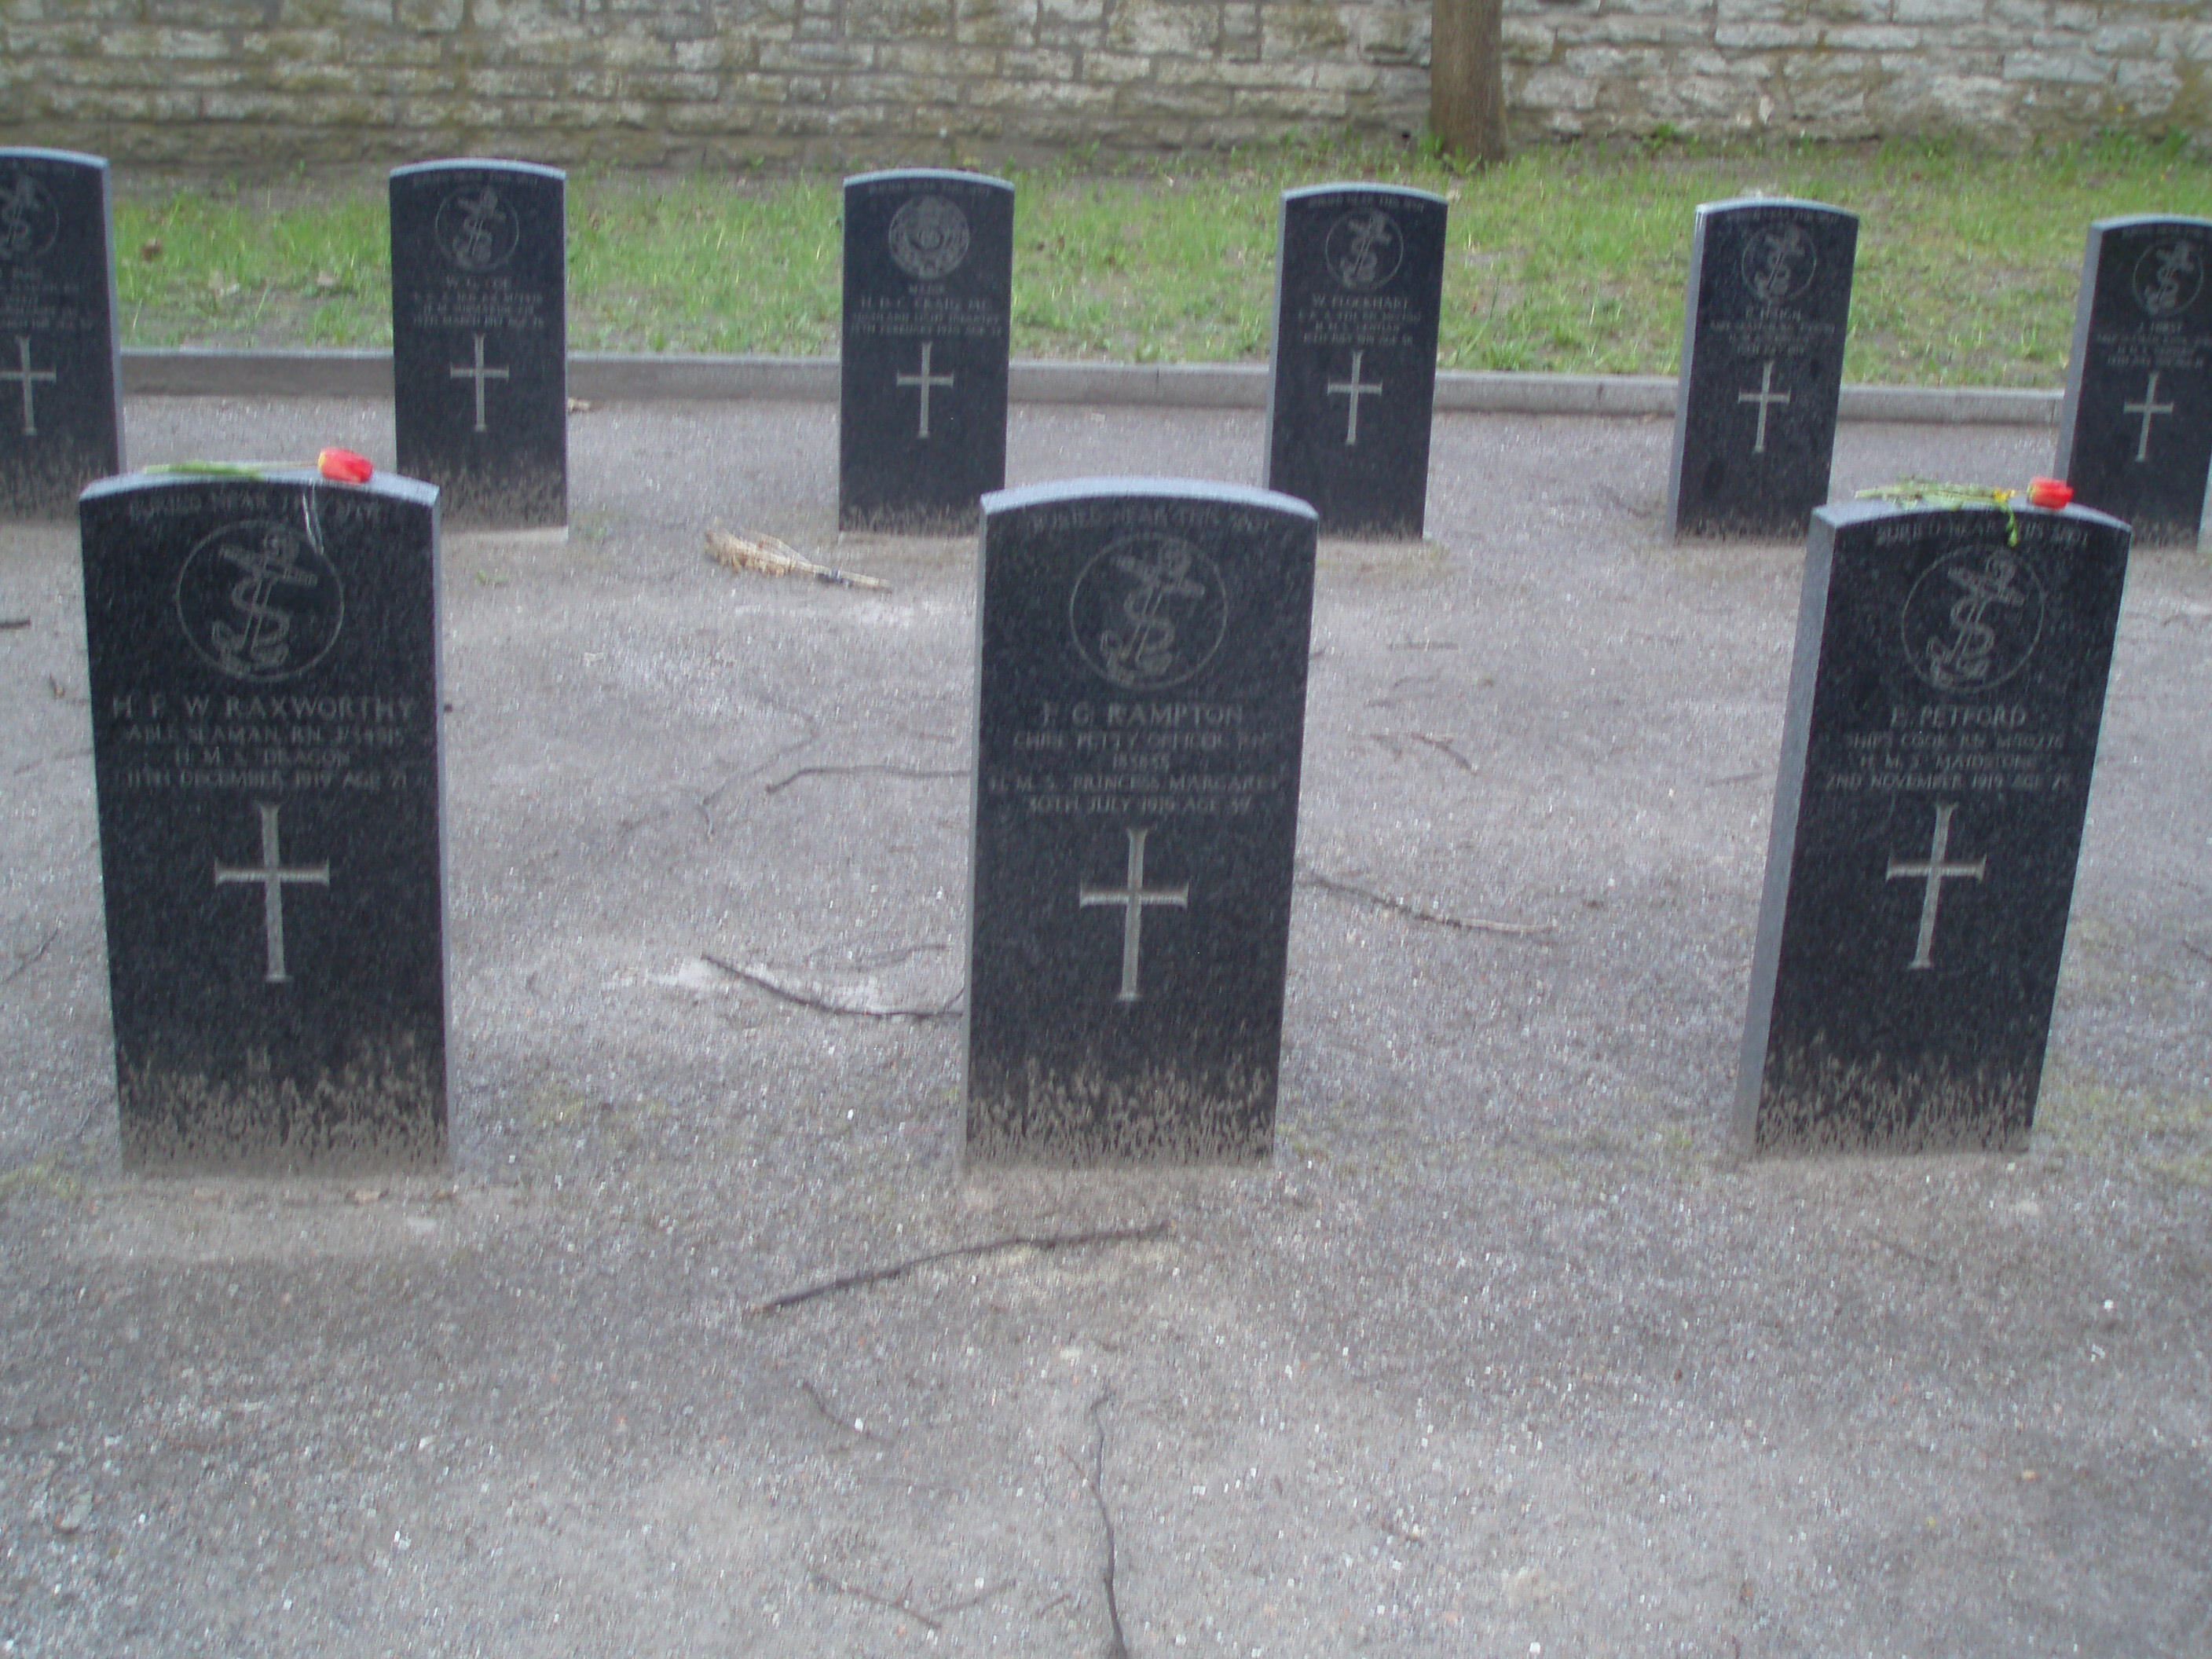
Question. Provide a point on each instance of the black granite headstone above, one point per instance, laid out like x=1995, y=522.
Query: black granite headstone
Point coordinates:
x=1770, y=300
x=61, y=375
x=2135, y=434
x=265, y=690
x=1942, y=724
x=480, y=340
x=1140, y=718
x=922, y=399
x=1360, y=274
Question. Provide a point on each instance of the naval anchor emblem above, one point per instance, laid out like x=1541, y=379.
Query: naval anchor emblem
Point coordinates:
x=1973, y=618
x=2169, y=276
x=29, y=218
x=477, y=230
x=1148, y=611
x=929, y=238
x=1365, y=250
x=259, y=603
x=1778, y=263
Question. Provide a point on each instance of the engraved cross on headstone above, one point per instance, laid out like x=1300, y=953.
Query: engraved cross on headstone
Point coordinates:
x=1764, y=396
x=1133, y=898
x=2149, y=409
x=27, y=375
x=1934, y=873
x=1354, y=389
x=272, y=875
x=925, y=380
x=479, y=374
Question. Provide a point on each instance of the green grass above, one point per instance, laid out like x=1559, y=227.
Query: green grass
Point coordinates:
x=1567, y=259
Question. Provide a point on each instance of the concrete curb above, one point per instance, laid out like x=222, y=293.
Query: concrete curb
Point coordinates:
x=621, y=377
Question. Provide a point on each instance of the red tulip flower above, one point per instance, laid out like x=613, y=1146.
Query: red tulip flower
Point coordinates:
x=347, y=467
x=2049, y=492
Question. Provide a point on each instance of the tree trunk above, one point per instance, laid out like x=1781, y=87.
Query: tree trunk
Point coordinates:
x=1466, y=78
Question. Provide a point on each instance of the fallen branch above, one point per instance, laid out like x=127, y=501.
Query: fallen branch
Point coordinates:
x=2197, y=949
x=1463, y=924
x=862, y=1011
x=772, y=557
x=24, y=963
x=856, y=1427
x=975, y=1601
x=853, y=771
x=901, y=1605
x=1443, y=747
x=1093, y=1478
x=9, y=624
x=900, y=1269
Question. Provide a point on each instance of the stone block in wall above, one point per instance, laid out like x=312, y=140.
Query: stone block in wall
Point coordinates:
x=1631, y=31
x=816, y=57
x=432, y=17
x=1240, y=32
x=995, y=22
x=915, y=91
x=1290, y=104
x=888, y=20
x=1391, y=35
x=1557, y=89
x=2149, y=87
x=1151, y=98
x=1871, y=37
x=1304, y=32
x=942, y=59
x=1766, y=36
x=2124, y=42
x=1704, y=101
x=1034, y=64
x=2062, y=67
x=1113, y=68
x=1938, y=11
x=1526, y=40
x=1156, y=27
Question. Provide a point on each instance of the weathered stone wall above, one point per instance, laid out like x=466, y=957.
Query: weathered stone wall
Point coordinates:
x=266, y=84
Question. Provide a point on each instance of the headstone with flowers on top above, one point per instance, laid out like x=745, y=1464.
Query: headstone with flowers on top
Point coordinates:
x=1942, y=722
x=264, y=669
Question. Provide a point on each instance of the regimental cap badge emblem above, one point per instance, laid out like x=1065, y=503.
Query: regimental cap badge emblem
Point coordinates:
x=30, y=218
x=477, y=228
x=929, y=237
x=1972, y=620
x=1778, y=263
x=1148, y=611
x=2169, y=274
x=259, y=603
x=1365, y=250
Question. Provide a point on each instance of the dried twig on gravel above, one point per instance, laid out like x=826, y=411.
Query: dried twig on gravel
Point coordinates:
x=856, y=1427
x=24, y=963
x=772, y=557
x=864, y=1010
x=1463, y=924
x=1011, y=1241
x=1118, y=1648
x=786, y=782
x=901, y=1604
x=975, y=1601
